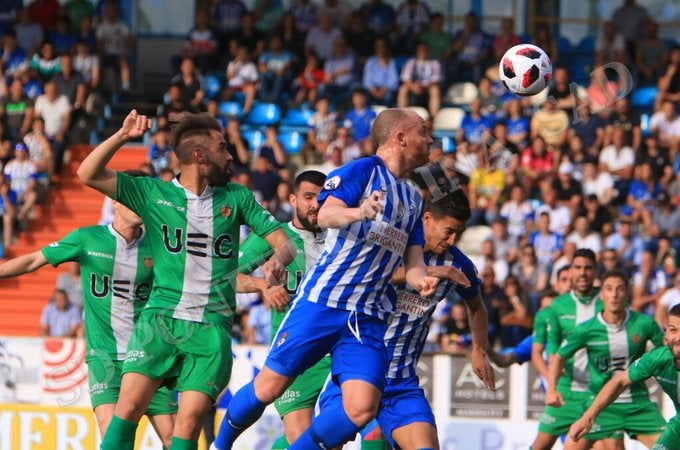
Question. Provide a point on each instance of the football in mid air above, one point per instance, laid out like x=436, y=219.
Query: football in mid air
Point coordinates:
x=525, y=69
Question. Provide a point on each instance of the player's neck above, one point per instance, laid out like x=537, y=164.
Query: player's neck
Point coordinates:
x=192, y=182
x=614, y=317
x=589, y=293
x=127, y=231
x=391, y=161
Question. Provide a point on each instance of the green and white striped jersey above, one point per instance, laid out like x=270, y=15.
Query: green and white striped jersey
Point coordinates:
x=613, y=348
x=116, y=279
x=194, y=242
x=568, y=311
x=660, y=364
x=255, y=251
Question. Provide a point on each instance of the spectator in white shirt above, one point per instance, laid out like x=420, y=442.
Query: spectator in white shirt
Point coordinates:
x=666, y=124
x=619, y=160
x=583, y=238
x=55, y=110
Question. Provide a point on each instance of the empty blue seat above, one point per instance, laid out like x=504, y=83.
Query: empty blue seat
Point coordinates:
x=644, y=97
x=254, y=137
x=292, y=141
x=297, y=118
x=231, y=109
x=264, y=114
x=213, y=86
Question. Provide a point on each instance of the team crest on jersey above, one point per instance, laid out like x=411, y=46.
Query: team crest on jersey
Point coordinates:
x=225, y=211
x=282, y=339
x=332, y=183
x=636, y=338
x=54, y=244
x=148, y=263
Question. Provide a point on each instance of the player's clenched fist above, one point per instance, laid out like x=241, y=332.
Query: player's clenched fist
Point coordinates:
x=135, y=125
x=371, y=207
x=273, y=271
x=427, y=286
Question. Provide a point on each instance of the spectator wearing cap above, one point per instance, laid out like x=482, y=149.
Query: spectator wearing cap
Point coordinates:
x=618, y=159
x=59, y=317
x=627, y=244
x=21, y=174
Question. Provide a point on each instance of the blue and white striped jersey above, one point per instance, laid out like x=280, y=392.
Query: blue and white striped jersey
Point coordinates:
x=405, y=337
x=354, y=270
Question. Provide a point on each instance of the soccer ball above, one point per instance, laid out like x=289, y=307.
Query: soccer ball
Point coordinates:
x=525, y=69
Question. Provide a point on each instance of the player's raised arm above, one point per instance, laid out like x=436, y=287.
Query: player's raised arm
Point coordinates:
x=93, y=171
x=23, y=264
x=479, y=326
x=605, y=397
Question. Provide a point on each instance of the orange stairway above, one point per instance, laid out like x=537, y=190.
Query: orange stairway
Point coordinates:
x=68, y=206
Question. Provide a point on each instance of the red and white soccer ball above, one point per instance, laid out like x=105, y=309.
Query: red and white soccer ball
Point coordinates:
x=525, y=69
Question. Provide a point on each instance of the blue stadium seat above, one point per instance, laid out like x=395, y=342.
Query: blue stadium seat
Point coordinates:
x=254, y=137
x=400, y=62
x=292, y=141
x=264, y=114
x=564, y=45
x=297, y=119
x=644, y=97
x=213, y=86
x=231, y=109
x=587, y=45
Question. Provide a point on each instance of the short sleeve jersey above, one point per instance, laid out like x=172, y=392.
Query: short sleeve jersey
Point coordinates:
x=408, y=329
x=195, y=243
x=358, y=260
x=308, y=246
x=116, y=279
x=612, y=348
x=660, y=364
x=541, y=325
x=568, y=311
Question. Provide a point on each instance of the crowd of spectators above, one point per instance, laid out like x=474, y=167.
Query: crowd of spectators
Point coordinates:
x=580, y=170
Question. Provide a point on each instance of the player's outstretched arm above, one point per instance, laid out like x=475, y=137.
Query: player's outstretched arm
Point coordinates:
x=605, y=397
x=93, y=171
x=479, y=326
x=23, y=264
x=555, y=368
x=416, y=272
x=335, y=213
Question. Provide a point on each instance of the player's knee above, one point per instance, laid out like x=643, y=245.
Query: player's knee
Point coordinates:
x=361, y=411
x=269, y=386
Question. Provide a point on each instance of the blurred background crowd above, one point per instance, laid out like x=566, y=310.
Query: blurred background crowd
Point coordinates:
x=592, y=162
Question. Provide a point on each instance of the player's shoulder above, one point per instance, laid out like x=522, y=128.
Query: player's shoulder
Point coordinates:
x=357, y=170
x=562, y=301
x=93, y=231
x=636, y=317
x=661, y=354
x=461, y=259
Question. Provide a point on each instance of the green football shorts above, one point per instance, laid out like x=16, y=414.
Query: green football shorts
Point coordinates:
x=670, y=437
x=306, y=388
x=637, y=418
x=556, y=421
x=104, y=378
x=189, y=356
